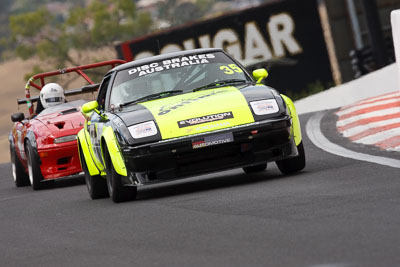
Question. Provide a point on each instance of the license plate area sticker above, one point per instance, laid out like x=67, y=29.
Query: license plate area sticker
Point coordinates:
x=212, y=140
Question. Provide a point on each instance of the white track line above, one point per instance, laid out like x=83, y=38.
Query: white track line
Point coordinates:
x=382, y=112
x=313, y=129
x=355, y=108
x=361, y=128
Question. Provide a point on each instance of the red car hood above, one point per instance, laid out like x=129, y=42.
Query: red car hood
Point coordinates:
x=64, y=119
x=61, y=122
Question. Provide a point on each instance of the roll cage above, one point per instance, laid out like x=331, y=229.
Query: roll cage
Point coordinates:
x=38, y=81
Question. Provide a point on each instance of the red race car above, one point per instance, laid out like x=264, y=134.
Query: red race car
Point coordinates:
x=43, y=147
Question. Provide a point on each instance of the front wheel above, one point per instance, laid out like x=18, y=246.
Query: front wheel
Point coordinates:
x=96, y=185
x=20, y=176
x=34, y=173
x=291, y=165
x=118, y=192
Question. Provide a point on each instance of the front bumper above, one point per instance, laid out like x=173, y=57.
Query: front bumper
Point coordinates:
x=60, y=161
x=252, y=144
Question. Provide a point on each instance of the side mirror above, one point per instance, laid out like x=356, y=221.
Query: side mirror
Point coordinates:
x=90, y=106
x=17, y=117
x=260, y=74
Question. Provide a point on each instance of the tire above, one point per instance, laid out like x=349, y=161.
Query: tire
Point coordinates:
x=21, y=178
x=34, y=173
x=255, y=168
x=118, y=192
x=96, y=185
x=292, y=165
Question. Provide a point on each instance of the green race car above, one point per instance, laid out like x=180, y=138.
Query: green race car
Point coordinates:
x=183, y=114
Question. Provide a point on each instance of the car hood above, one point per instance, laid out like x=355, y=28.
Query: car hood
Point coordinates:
x=193, y=113
x=59, y=121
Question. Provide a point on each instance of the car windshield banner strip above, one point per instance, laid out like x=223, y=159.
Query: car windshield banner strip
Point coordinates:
x=172, y=63
x=212, y=140
x=204, y=119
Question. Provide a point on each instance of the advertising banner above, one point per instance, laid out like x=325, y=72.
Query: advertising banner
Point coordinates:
x=283, y=36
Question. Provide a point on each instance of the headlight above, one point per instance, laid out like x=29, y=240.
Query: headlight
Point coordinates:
x=142, y=130
x=264, y=107
x=63, y=139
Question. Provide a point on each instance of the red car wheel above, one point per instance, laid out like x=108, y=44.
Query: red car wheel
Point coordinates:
x=20, y=177
x=35, y=175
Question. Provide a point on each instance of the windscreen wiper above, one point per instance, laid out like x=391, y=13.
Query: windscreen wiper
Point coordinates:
x=151, y=97
x=221, y=83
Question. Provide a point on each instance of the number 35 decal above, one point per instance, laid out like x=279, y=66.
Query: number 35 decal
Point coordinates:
x=230, y=69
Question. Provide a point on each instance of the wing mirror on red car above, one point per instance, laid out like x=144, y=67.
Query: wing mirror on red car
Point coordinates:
x=17, y=117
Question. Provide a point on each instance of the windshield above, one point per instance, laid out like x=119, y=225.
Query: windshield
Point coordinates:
x=178, y=75
x=63, y=107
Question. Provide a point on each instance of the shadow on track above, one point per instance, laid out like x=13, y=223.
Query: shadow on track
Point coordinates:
x=5, y=171
x=206, y=183
x=68, y=182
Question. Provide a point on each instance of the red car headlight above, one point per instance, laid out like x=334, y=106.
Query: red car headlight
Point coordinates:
x=63, y=139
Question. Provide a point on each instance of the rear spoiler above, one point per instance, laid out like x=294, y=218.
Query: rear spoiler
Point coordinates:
x=84, y=89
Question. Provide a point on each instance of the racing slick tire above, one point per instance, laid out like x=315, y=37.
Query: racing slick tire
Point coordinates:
x=118, y=192
x=255, y=168
x=20, y=177
x=292, y=165
x=96, y=185
x=34, y=173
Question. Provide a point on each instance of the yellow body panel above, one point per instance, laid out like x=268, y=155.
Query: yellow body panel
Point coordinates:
x=295, y=119
x=114, y=150
x=93, y=170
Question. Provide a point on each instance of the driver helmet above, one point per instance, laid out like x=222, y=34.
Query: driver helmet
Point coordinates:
x=52, y=94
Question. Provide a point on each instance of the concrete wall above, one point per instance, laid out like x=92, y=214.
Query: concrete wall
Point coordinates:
x=379, y=82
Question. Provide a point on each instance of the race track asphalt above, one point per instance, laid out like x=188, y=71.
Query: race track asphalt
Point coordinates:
x=337, y=212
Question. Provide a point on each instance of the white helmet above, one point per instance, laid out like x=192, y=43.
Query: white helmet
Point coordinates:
x=51, y=95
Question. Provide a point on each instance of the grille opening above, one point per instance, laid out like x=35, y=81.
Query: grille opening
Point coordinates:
x=63, y=161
